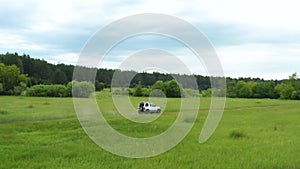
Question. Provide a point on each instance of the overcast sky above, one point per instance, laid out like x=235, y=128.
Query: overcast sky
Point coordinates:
x=252, y=38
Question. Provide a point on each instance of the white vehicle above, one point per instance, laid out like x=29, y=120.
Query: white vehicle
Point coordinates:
x=148, y=107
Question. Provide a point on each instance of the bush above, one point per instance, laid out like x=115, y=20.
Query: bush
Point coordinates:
x=172, y=89
x=48, y=91
x=79, y=89
x=57, y=91
x=138, y=89
x=244, y=89
x=120, y=91
x=37, y=90
x=82, y=89
x=99, y=86
x=206, y=93
x=190, y=93
x=295, y=95
x=284, y=90
x=157, y=93
x=20, y=90
x=11, y=77
x=131, y=91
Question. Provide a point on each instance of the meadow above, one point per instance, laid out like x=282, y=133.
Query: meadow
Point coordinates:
x=40, y=132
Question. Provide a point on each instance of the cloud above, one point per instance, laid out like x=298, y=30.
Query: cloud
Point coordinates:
x=267, y=13
x=66, y=58
x=253, y=38
x=269, y=61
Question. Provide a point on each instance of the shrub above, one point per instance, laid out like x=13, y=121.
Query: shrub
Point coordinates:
x=20, y=90
x=48, y=91
x=37, y=90
x=190, y=93
x=157, y=93
x=146, y=91
x=206, y=93
x=82, y=89
x=244, y=89
x=295, y=95
x=119, y=91
x=172, y=89
x=138, y=89
x=131, y=91
x=57, y=91
x=284, y=90
x=99, y=86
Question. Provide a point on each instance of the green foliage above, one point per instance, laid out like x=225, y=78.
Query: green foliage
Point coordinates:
x=218, y=92
x=161, y=89
x=41, y=72
x=158, y=85
x=264, y=90
x=244, y=89
x=206, y=93
x=172, y=89
x=190, y=93
x=284, y=90
x=212, y=92
x=13, y=59
x=82, y=89
x=99, y=86
x=58, y=91
x=146, y=91
x=289, y=89
x=295, y=95
x=1, y=88
x=158, y=89
x=294, y=81
x=20, y=90
x=157, y=93
x=122, y=91
x=48, y=91
x=231, y=88
x=11, y=78
x=138, y=89
x=59, y=77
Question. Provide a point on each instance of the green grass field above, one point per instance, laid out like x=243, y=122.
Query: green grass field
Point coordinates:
x=253, y=133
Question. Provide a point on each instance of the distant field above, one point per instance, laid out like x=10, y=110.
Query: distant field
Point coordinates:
x=253, y=133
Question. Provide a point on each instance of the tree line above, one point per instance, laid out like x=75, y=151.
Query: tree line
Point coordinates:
x=19, y=72
x=41, y=72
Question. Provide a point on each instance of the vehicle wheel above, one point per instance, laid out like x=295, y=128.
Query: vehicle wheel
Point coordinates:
x=147, y=111
x=158, y=111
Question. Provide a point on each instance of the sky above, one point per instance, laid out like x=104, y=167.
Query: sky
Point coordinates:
x=251, y=38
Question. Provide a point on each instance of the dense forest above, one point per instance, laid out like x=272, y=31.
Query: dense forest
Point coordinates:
x=29, y=72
